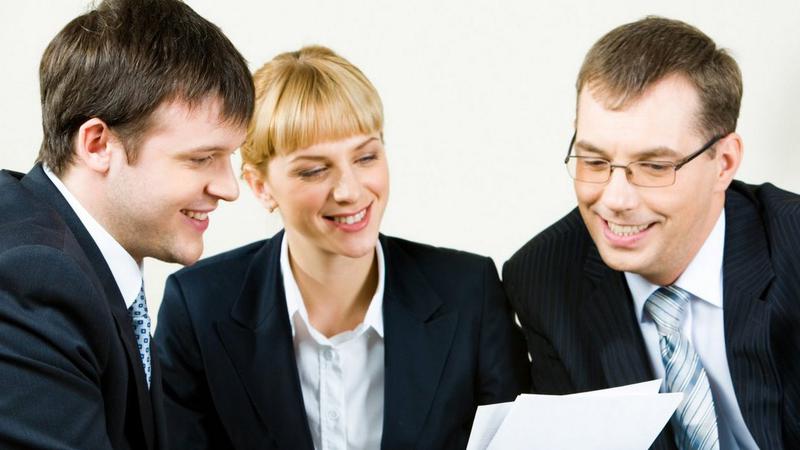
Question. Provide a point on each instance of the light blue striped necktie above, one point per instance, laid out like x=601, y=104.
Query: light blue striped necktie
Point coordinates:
x=141, y=329
x=695, y=421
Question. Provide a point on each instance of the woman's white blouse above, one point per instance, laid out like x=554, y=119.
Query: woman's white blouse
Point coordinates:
x=342, y=377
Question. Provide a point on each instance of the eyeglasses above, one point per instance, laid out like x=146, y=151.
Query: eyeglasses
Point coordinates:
x=590, y=169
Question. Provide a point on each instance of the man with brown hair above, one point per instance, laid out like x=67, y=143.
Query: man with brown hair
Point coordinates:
x=143, y=102
x=668, y=268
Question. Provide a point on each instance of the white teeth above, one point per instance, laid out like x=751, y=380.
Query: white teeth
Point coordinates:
x=625, y=230
x=195, y=215
x=355, y=218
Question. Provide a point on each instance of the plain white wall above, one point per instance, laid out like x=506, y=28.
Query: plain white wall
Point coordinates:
x=478, y=96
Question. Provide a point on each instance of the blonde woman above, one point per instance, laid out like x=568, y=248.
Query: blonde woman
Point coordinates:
x=330, y=335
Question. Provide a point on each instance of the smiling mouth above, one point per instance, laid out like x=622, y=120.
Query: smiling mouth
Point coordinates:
x=351, y=219
x=626, y=230
x=196, y=215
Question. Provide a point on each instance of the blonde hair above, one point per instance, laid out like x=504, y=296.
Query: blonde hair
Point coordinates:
x=305, y=97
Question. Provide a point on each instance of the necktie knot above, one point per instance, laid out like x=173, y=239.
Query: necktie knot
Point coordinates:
x=666, y=306
x=141, y=330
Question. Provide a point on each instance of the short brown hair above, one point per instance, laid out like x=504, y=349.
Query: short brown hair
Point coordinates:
x=122, y=60
x=630, y=58
x=305, y=97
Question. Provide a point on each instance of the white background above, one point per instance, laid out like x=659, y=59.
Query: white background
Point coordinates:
x=479, y=100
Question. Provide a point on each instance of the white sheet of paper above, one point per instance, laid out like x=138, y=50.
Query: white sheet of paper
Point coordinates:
x=626, y=417
x=488, y=419
x=646, y=387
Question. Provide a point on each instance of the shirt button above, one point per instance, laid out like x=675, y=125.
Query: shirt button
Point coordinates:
x=328, y=354
x=333, y=415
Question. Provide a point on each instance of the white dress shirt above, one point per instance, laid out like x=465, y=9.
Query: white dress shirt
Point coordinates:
x=342, y=377
x=704, y=327
x=126, y=272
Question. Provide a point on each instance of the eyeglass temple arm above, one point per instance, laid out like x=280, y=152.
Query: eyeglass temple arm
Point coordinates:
x=571, y=143
x=699, y=152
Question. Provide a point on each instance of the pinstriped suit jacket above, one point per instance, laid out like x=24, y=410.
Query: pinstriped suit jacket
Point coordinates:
x=581, y=330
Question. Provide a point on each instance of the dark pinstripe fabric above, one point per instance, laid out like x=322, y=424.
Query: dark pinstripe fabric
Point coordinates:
x=581, y=328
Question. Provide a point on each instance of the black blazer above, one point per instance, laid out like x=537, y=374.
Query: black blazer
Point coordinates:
x=230, y=373
x=578, y=318
x=69, y=364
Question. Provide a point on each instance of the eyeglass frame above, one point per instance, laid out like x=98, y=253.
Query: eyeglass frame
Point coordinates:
x=676, y=165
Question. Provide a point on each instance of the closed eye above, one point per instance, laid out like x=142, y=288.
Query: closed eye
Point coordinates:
x=308, y=174
x=594, y=163
x=655, y=166
x=367, y=158
x=202, y=160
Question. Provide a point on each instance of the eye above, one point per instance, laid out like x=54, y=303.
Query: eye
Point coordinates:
x=312, y=173
x=367, y=158
x=594, y=163
x=655, y=166
x=200, y=161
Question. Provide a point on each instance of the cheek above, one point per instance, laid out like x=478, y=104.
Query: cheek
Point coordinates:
x=303, y=200
x=587, y=194
x=674, y=203
x=377, y=181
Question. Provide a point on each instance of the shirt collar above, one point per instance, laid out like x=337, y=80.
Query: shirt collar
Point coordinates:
x=294, y=300
x=702, y=278
x=126, y=272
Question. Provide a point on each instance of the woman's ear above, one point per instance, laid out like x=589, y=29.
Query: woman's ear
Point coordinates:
x=260, y=187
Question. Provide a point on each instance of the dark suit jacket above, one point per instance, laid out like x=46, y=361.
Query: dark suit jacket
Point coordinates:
x=69, y=365
x=230, y=373
x=578, y=318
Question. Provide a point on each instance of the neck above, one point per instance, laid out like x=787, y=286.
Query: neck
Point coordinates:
x=337, y=290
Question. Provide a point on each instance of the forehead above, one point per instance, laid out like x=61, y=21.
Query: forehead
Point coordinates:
x=171, y=112
x=177, y=125
x=665, y=115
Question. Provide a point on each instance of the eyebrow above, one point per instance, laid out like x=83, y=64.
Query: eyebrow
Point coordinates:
x=322, y=158
x=655, y=152
x=202, y=150
x=366, y=141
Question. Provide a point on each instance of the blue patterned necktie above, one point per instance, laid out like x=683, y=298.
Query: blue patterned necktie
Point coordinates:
x=141, y=329
x=695, y=421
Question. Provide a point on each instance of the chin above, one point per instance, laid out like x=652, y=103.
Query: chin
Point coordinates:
x=185, y=255
x=357, y=253
x=358, y=250
x=620, y=261
x=190, y=257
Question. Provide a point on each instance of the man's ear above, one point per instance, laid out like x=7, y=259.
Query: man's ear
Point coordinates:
x=94, y=144
x=729, y=153
x=260, y=187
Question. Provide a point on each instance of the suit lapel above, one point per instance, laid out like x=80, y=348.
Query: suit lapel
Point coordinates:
x=157, y=399
x=37, y=182
x=418, y=336
x=258, y=340
x=611, y=321
x=747, y=275
x=612, y=325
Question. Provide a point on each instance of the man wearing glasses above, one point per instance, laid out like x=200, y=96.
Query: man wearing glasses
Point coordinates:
x=668, y=268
